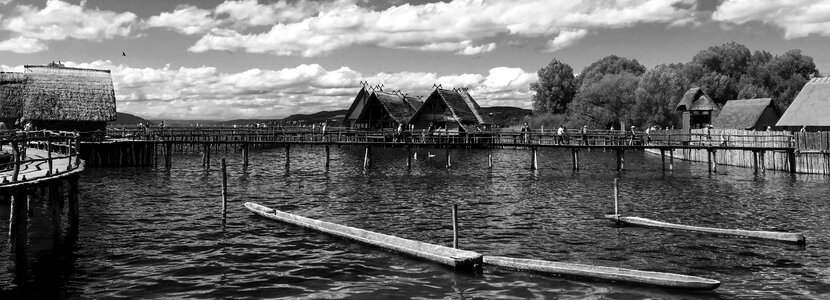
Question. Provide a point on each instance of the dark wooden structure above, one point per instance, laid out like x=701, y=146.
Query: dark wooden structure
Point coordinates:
x=747, y=114
x=698, y=109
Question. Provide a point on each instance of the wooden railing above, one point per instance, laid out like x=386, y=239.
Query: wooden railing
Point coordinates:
x=57, y=146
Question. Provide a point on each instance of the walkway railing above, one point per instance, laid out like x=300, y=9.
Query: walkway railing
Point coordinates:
x=719, y=138
x=38, y=154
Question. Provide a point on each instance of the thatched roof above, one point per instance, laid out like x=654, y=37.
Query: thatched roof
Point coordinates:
x=357, y=105
x=811, y=107
x=58, y=93
x=396, y=105
x=696, y=99
x=474, y=107
x=458, y=106
x=11, y=94
x=742, y=114
x=415, y=102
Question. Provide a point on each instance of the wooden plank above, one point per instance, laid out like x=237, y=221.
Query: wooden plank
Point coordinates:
x=660, y=279
x=788, y=237
x=456, y=258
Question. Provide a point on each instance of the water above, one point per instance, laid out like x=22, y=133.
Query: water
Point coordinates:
x=152, y=233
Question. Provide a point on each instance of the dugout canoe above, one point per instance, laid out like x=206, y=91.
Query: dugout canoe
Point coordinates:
x=788, y=237
x=659, y=279
x=459, y=259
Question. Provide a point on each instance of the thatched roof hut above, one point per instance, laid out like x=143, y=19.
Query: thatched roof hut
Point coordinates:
x=747, y=114
x=356, y=108
x=454, y=110
x=698, y=109
x=56, y=93
x=810, y=108
x=379, y=109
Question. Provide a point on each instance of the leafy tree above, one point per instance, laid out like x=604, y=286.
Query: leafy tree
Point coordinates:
x=606, y=101
x=611, y=64
x=555, y=88
x=658, y=92
x=718, y=69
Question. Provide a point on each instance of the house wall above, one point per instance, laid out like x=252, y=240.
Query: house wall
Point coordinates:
x=768, y=118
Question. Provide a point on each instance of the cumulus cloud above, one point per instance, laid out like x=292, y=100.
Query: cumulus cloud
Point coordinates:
x=60, y=20
x=206, y=93
x=187, y=20
x=566, y=38
x=22, y=45
x=440, y=26
x=798, y=18
x=4, y=2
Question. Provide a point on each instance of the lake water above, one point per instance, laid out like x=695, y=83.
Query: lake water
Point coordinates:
x=153, y=233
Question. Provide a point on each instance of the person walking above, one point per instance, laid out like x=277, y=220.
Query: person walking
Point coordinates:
x=584, y=135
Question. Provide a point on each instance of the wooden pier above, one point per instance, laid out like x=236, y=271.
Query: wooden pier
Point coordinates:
x=146, y=147
x=40, y=161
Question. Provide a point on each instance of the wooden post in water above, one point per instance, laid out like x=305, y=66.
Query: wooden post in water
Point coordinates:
x=663, y=158
x=671, y=160
x=490, y=158
x=620, y=159
x=16, y=154
x=49, y=154
x=167, y=155
x=224, y=192
x=366, y=159
x=575, y=158
x=18, y=229
x=762, y=161
x=715, y=161
x=449, y=158
x=755, y=161
x=616, y=196
x=455, y=225
x=328, y=155
x=533, y=159
x=207, y=160
x=245, y=154
x=408, y=157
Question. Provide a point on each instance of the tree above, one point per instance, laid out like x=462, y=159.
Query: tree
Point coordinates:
x=555, y=88
x=718, y=69
x=611, y=64
x=605, y=102
x=658, y=92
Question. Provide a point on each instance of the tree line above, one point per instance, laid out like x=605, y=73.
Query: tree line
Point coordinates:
x=615, y=90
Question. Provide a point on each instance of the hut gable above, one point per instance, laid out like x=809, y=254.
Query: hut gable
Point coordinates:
x=57, y=93
x=696, y=99
x=447, y=108
x=414, y=102
x=747, y=114
x=811, y=107
x=474, y=107
x=357, y=106
x=457, y=105
x=395, y=105
x=11, y=95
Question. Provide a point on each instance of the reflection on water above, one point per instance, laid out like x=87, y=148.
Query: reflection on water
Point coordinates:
x=156, y=233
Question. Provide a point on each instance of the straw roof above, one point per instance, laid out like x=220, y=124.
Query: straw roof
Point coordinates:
x=357, y=105
x=474, y=107
x=58, y=93
x=696, y=99
x=745, y=114
x=11, y=94
x=396, y=105
x=456, y=104
x=811, y=107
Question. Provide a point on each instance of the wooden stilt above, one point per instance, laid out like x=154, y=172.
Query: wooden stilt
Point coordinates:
x=408, y=157
x=715, y=161
x=671, y=160
x=16, y=154
x=490, y=158
x=328, y=155
x=455, y=225
x=49, y=155
x=533, y=159
x=287, y=156
x=245, y=154
x=18, y=230
x=207, y=159
x=791, y=159
x=224, y=192
x=663, y=158
x=72, y=214
x=55, y=211
x=449, y=158
x=709, y=159
x=168, y=155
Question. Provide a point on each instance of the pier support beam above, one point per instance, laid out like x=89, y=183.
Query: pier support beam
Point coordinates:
x=408, y=157
x=18, y=230
x=287, y=156
x=671, y=160
x=245, y=154
x=712, y=160
x=328, y=156
x=575, y=158
x=490, y=158
x=762, y=160
x=168, y=151
x=55, y=212
x=620, y=159
x=755, y=161
x=534, y=165
x=72, y=214
x=449, y=158
x=367, y=159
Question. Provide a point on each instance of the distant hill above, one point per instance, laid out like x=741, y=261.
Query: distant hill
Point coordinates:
x=128, y=119
x=245, y=122
x=318, y=117
x=505, y=116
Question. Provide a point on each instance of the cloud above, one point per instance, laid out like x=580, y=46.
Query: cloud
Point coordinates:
x=566, y=38
x=22, y=45
x=440, y=26
x=60, y=20
x=798, y=18
x=4, y=2
x=206, y=93
x=187, y=20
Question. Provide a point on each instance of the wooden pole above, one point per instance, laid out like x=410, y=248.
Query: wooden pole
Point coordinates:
x=533, y=164
x=72, y=214
x=245, y=154
x=49, y=155
x=490, y=158
x=755, y=161
x=671, y=160
x=455, y=225
x=207, y=160
x=366, y=159
x=616, y=197
x=715, y=161
x=224, y=192
x=18, y=229
x=287, y=156
x=663, y=158
x=16, y=154
x=408, y=157
x=328, y=156
x=54, y=209
x=168, y=162
x=709, y=159
x=449, y=158
x=763, y=162
x=791, y=160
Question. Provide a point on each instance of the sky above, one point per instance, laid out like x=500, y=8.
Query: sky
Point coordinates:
x=263, y=59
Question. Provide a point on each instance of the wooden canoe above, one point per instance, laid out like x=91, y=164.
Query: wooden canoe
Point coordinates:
x=666, y=280
x=788, y=237
x=456, y=258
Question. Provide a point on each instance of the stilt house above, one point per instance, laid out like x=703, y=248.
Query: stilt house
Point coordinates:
x=55, y=97
x=450, y=110
x=698, y=109
x=810, y=108
x=381, y=110
x=747, y=114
